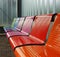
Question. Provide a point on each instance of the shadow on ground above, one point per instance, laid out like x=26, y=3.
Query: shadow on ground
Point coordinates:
x=5, y=49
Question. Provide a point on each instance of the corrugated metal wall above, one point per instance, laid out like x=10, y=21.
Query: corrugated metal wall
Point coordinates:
x=38, y=7
x=8, y=10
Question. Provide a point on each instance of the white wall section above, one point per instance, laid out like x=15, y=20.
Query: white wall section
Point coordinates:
x=39, y=7
x=8, y=10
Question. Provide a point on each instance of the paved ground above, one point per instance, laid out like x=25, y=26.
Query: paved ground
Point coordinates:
x=5, y=49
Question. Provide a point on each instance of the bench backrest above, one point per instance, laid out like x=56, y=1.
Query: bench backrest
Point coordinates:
x=28, y=24
x=15, y=22
x=40, y=27
x=20, y=23
x=53, y=43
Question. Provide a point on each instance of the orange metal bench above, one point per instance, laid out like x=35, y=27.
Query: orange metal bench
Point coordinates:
x=50, y=49
x=37, y=35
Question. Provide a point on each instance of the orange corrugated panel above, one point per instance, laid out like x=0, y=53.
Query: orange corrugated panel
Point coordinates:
x=56, y=21
x=30, y=51
x=53, y=43
x=55, y=28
